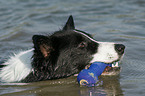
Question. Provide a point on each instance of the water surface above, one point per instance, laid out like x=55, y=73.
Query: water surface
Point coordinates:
x=120, y=21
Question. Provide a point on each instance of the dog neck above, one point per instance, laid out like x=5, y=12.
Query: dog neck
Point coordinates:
x=17, y=67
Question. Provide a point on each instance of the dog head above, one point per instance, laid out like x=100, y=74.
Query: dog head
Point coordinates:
x=69, y=50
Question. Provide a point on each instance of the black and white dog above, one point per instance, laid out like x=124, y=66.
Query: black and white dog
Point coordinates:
x=62, y=54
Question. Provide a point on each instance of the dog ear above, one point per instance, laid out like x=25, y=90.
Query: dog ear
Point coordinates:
x=69, y=24
x=42, y=44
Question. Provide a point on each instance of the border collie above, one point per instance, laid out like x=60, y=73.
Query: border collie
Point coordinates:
x=62, y=54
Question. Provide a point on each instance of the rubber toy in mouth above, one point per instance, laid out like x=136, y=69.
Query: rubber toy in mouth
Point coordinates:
x=89, y=77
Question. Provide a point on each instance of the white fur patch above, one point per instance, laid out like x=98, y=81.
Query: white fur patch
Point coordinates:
x=106, y=53
x=17, y=67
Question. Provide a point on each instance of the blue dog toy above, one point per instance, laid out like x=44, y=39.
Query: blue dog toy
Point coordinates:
x=89, y=77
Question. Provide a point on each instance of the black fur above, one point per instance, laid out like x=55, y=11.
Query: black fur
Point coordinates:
x=60, y=55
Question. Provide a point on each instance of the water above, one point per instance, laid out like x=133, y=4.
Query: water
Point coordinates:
x=119, y=21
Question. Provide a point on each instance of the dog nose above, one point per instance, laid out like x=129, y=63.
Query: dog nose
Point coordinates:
x=119, y=48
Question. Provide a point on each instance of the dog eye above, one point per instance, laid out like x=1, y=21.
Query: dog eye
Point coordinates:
x=82, y=44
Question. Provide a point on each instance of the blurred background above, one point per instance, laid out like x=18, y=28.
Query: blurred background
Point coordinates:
x=120, y=21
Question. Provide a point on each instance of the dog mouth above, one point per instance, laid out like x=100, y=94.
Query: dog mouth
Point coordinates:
x=114, y=69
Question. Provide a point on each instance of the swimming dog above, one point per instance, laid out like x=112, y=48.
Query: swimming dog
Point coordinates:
x=60, y=55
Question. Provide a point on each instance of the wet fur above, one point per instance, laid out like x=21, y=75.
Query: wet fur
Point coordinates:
x=60, y=55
